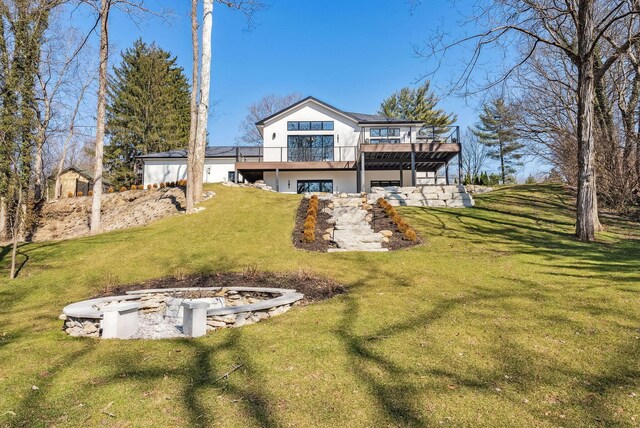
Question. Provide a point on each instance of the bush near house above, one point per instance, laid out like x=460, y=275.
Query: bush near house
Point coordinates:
x=111, y=189
x=309, y=233
x=79, y=194
x=70, y=195
x=123, y=189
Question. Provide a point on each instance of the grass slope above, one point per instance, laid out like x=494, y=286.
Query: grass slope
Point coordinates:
x=500, y=319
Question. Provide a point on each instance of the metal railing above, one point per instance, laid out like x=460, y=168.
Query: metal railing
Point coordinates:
x=440, y=134
x=309, y=154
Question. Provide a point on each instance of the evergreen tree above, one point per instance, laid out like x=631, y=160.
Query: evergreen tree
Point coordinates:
x=417, y=104
x=147, y=110
x=497, y=131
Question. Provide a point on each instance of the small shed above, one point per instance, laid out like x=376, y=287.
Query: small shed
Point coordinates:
x=74, y=180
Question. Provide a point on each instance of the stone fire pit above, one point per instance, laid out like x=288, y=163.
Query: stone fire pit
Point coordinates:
x=175, y=312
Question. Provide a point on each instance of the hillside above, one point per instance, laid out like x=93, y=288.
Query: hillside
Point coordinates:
x=67, y=218
x=499, y=319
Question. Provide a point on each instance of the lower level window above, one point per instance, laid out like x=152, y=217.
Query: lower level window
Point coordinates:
x=231, y=176
x=387, y=183
x=325, y=186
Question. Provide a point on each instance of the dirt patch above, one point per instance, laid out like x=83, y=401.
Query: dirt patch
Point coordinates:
x=381, y=221
x=67, y=218
x=314, y=288
x=321, y=228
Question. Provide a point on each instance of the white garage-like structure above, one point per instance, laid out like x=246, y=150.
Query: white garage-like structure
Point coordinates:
x=219, y=164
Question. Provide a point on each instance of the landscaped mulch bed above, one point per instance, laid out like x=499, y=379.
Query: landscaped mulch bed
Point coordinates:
x=381, y=221
x=321, y=226
x=314, y=288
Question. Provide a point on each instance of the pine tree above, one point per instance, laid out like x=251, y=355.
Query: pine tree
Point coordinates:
x=497, y=131
x=417, y=104
x=147, y=110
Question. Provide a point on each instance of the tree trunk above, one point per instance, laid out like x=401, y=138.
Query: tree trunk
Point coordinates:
x=502, y=162
x=587, y=222
x=16, y=234
x=203, y=107
x=96, y=204
x=3, y=218
x=191, y=151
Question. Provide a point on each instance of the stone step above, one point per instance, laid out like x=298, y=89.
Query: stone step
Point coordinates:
x=368, y=250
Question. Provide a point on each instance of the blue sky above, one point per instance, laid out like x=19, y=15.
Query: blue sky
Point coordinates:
x=351, y=54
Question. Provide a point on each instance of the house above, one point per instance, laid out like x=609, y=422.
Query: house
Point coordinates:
x=312, y=146
x=219, y=164
x=72, y=181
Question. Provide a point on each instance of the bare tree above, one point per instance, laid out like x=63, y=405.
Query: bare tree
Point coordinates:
x=201, y=84
x=576, y=29
x=475, y=156
x=265, y=107
x=191, y=151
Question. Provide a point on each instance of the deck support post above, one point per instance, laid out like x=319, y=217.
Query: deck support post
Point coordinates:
x=446, y=172
x=362, y=186
x=413, y=167
x=401, y=175
x=277, y=179
x=460, y=163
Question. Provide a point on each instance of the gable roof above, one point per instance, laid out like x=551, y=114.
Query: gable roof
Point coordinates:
x=360, y=118
x=210, y=152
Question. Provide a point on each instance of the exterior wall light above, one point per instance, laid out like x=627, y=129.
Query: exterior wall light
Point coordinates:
x=273, y=137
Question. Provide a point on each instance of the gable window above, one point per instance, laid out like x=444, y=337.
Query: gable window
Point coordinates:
x=309, y=148
x=309, y=126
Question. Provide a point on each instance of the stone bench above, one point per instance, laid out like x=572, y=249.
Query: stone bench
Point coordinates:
x=120, y=321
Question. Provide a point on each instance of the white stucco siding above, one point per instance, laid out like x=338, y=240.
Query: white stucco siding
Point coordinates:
x=343, y=181
x=346, y=132
x=158, y=171
x=216, y=170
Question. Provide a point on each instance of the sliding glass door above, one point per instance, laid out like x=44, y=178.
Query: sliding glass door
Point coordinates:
x=309, y=148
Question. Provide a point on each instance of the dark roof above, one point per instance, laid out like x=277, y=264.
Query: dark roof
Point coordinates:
x=358, y=117
x=377, y=118
x=210, y=152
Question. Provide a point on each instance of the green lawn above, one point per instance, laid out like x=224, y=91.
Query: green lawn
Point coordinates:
x=500, y=319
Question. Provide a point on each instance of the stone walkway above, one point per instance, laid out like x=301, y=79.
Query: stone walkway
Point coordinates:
x=352, y=230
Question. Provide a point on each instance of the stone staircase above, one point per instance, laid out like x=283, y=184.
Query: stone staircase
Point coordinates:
x=352, y=230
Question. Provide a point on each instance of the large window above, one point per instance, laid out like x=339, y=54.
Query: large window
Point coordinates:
x=309, y=126
x=384, y=132
x=325, y=186
x=309, y=148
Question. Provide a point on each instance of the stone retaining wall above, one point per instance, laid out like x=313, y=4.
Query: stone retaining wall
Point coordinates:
x=453, y=196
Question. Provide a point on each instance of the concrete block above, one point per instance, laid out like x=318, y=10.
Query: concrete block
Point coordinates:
x=194, y=320
x=436, y=203
x=120, y=321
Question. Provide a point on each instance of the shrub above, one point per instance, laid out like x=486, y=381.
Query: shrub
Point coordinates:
x=172, y=184
x=162, y=185
x=396, y=219
x=90, y=193
x=312, y=212
x=391, y=211
x=182, y=183
x=110, y=190
x=411, y=235
x=403, y=226
x=155, y=185
x=79, y=194
x=149, y=187
x=133, y=187
x=381, y=202
x=309, y=223
x=309, y=235
x=123, y=189
x=140, y=187
x=70, y=195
